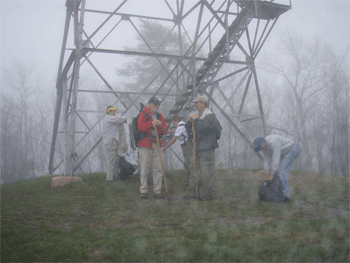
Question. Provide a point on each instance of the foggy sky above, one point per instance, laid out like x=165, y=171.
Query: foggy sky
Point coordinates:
x=32, y=31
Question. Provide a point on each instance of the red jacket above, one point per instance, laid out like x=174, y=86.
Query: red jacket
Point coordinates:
x=146, y=127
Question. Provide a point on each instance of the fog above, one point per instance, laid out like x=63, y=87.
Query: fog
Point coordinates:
x=31, y=39
x=32, y=30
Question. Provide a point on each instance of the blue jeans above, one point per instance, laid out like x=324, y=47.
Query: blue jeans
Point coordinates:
x=285, y=165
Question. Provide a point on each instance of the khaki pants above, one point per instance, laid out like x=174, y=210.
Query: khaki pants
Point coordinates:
x=187, y=151
x=112, y=160
x=150, y=160
x=205, y=167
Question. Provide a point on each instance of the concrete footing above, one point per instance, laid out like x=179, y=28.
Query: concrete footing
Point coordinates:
x=63, y=180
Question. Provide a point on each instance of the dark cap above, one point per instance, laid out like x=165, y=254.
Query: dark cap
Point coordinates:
x=154, y=101
x=258, y=142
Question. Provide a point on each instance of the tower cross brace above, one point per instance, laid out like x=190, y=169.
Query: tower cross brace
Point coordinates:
x=232, y=33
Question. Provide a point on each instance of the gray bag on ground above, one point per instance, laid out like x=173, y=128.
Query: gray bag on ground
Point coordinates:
x=271, y=191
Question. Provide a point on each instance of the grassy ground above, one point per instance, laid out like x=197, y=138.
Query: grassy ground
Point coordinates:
x=107, y=221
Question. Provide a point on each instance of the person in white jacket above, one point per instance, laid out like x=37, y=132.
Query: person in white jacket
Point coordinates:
x=111, y=136
x=279, y=156
x=185, y=141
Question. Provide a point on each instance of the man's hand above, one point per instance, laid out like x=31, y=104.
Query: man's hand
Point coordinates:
x=193, y=116
x=269, y=177
x=156, y=123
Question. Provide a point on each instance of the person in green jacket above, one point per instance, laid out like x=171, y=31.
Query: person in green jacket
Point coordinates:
x=205, y=145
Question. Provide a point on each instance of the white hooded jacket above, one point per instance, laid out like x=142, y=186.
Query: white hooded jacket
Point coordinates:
x=276, y=147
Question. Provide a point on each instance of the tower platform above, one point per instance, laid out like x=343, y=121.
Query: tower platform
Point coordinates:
x=264, y=9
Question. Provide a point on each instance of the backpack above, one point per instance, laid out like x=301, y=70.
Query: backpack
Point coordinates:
x=135, y=134
x=271, y=191
x=218, y=129
x=188, y=127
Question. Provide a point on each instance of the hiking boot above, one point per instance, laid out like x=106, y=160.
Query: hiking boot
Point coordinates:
x=286, y=199
x=188, y=197
x=144, y=196
x=158, y=196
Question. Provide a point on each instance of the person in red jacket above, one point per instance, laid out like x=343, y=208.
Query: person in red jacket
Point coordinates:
x=149, y=122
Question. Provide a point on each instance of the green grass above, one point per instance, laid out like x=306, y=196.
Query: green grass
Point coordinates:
x=107, y=221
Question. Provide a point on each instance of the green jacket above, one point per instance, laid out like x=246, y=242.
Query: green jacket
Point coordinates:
x=205, y=131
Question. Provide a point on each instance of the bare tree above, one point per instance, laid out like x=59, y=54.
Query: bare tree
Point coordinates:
x=301, y=66
x=24, y=130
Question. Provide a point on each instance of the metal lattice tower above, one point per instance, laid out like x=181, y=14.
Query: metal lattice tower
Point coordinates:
x=229, y=33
